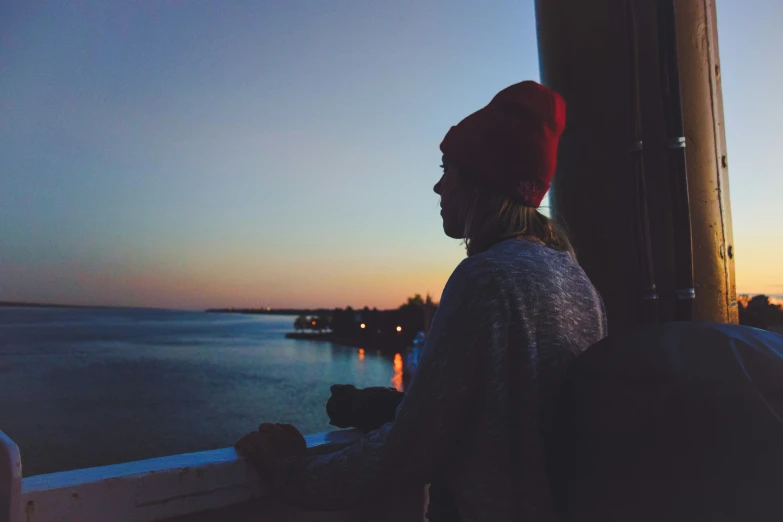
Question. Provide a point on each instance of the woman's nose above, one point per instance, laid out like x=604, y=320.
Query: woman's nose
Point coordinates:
x=436, y=188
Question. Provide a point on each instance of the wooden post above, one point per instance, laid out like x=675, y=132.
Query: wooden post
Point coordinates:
x=584, y=54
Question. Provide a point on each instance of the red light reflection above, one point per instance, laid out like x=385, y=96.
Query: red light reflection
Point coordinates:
x=397, y=379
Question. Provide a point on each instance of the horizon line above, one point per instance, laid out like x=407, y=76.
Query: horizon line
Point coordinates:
x=33, y=304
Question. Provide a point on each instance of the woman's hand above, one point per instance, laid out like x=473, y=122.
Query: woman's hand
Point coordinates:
x=272, y=442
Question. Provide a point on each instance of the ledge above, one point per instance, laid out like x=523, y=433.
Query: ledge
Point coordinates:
x=194, y=487
x=328, y=441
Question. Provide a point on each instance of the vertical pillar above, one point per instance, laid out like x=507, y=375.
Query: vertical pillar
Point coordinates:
x=702, y=106
x=584, y=55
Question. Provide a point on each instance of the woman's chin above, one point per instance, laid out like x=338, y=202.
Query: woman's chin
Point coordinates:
x=453, y=234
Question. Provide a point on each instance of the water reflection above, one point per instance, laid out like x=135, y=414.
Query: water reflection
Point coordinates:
x=361, y=354
x=149, y=378
x=397, y=379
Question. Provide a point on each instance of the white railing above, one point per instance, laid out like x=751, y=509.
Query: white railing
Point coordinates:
x=205, y=486
x=10, y=480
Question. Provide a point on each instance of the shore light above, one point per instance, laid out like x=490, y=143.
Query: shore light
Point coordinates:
x=362, y=326
x=399, y=328
x=313, y=323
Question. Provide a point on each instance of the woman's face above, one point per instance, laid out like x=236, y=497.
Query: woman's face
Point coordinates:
x=451, y=204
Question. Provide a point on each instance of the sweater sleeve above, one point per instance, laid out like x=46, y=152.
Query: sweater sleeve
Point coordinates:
x=436, y=408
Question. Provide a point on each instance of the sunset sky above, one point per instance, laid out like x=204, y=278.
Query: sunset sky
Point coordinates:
x=207, y=154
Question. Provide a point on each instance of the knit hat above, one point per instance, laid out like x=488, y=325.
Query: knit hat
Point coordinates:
x=511, y=144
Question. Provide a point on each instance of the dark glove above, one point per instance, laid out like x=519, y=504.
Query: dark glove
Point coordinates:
x=366, y=409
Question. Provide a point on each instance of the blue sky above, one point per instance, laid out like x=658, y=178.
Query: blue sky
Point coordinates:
x=194, y=154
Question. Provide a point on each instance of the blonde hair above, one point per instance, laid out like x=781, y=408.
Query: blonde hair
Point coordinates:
x=491, y=217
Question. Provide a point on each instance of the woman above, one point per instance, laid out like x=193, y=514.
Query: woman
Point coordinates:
x=513, y=314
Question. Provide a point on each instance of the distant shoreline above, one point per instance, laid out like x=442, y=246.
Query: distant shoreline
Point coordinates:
x=16, y=304
x=386, y=347
x=269, y=311
x=322, y=336
x=252, y=311
x=22, y=304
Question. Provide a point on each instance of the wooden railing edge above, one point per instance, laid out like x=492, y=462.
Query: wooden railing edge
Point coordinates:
x=10, y=479
x=146, y=490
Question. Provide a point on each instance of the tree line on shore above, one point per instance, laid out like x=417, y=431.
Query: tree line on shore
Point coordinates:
x=758, y=311
x=372, y=326
x=412, y=317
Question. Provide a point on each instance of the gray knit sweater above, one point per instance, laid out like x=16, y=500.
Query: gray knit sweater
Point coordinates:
x=454, y=426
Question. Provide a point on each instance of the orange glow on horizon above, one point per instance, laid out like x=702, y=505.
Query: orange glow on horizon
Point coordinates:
x=291, y=283
x=247, y=281
x=253, y=282
x=743, y=299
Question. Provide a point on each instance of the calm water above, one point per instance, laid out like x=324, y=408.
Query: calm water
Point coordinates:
x=88, y=387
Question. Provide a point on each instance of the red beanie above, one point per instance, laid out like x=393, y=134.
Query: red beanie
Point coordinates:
x=511, y=144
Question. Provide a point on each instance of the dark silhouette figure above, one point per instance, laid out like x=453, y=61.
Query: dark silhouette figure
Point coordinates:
x=365, y=409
